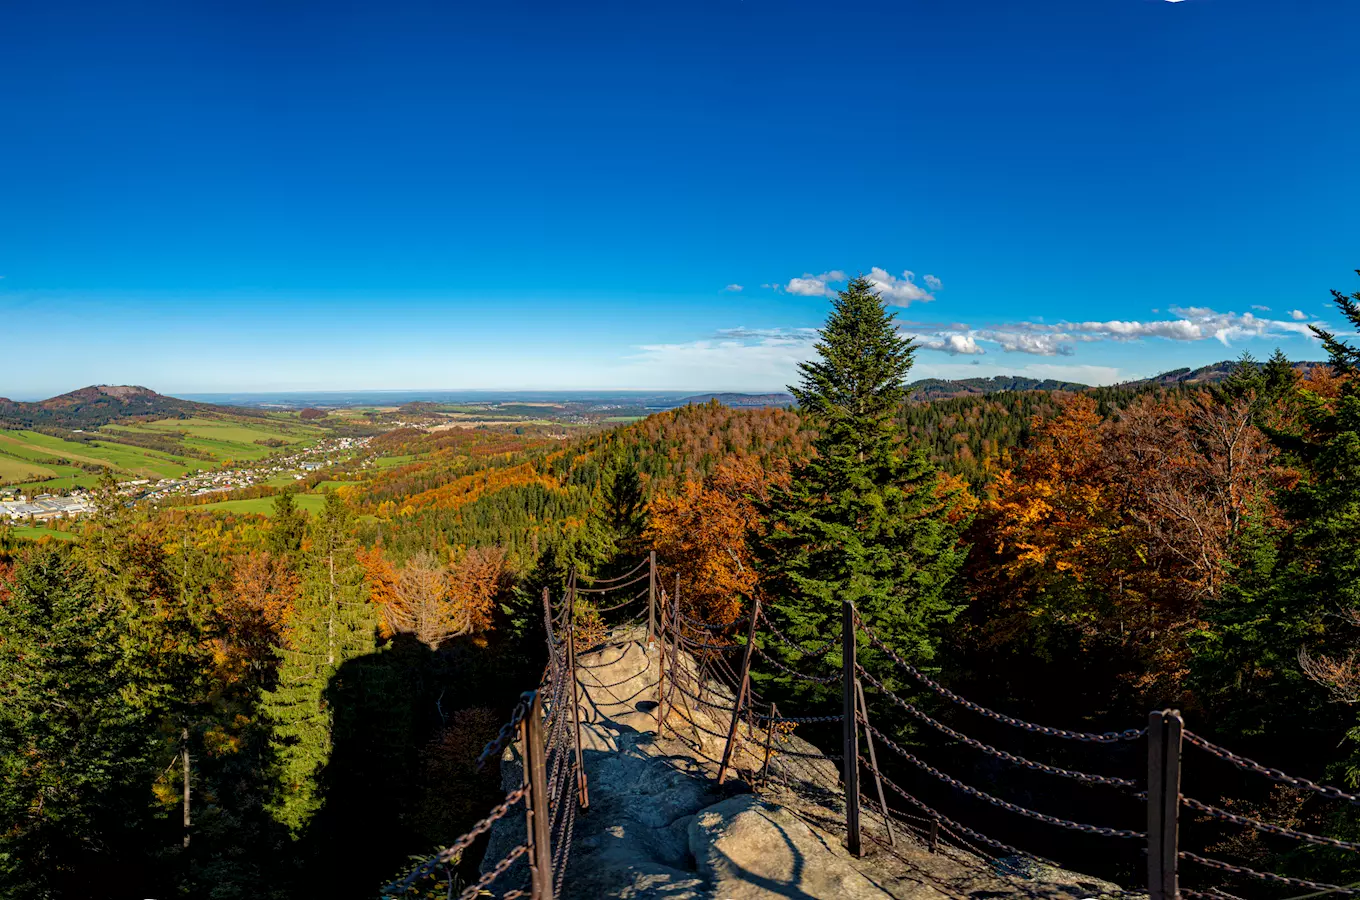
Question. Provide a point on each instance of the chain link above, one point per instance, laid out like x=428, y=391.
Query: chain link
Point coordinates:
x=799, y=675
x=1266, y=827
x=961, y=829
x=1108, y=737
x=987, y=748
x=792, y=644
x=1275, y=775
x=507, y=732
x=500, y=869
x=1269, y=876
x=447, y=855
x=800, y=720
x=1004, y=804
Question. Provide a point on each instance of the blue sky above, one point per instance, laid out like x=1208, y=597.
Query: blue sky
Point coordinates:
x=266, y=196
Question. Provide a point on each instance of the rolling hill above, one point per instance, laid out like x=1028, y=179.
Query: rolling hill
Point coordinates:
x=942, y=389
x=103, y=404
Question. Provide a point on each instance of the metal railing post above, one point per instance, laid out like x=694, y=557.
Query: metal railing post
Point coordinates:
x=849, y=729
x=582, y=788
x=1165, y=730
x=873, y=761
x=743, y=689
x=537, y=816
x=661, y=668
x=651, y=596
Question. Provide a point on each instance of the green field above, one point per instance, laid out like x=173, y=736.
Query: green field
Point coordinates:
x=29, y=446
x=387, y=462
x=263, y=506
x=15, y=470
x=229, y=439
x=33, y=532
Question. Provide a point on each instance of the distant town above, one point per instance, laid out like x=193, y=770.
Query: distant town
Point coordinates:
x=16, y=505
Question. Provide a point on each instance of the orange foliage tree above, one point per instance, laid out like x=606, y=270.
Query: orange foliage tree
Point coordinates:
x=701, y=533
x=1118, y=530
x=252, y=610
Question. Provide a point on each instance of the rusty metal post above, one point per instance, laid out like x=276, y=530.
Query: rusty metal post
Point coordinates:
x=769, y=740
x=934, y=832
x=677, y=668
x=849, y=730
x=1163, y=803
x=743, y=689
x=873, y=761
x=661, y=665
x=537, y=815
x=651, y=596
x=582, y=789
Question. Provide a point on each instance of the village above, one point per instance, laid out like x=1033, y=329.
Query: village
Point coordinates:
x=19, y=506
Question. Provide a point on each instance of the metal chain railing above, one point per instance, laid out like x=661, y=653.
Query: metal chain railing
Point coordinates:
x=1269, y=876
x=1085, y=777
x=1308, y=838
x=1108, y=737
x=997, y=801
x=1274, y=775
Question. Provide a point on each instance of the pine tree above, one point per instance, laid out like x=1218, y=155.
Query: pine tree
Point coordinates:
x=866, y=519
x=287, y=526
x=331, y=623
x=79, y=746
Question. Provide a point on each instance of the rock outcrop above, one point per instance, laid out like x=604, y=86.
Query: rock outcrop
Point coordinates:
x=659, y=827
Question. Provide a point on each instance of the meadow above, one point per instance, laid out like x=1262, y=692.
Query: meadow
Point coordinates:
x=228, y=439
x=264, y=506
x=26, y=458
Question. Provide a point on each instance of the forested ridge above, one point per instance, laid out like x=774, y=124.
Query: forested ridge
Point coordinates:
x=1073, y=557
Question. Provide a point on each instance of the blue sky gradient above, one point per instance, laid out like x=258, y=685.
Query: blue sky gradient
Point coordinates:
x=263, y=196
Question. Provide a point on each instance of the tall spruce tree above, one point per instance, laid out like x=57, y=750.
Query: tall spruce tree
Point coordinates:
x=287, y=526
x=866, y=518
x=332, y=622
x=81, y=698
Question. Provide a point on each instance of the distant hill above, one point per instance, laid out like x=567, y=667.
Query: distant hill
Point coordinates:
x=928, y=389
x=942, y=389
x=740, y=400
x=102, y=404
x=1210, y=374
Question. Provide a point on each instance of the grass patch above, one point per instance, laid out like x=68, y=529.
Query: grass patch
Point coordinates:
x=14, y=470
x=34, y=532
x=226, y=439
x=124, y=459
x=388, y=462
x=261, y=506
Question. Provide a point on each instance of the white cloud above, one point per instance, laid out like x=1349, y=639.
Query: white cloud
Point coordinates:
x=815, y=285
x=895, y=290
x=1192, y=324
x=1057, y=344
x=1298, y=315
x=733, y=287
x=1255, y=306
x=898, y=291
x=953, y=344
